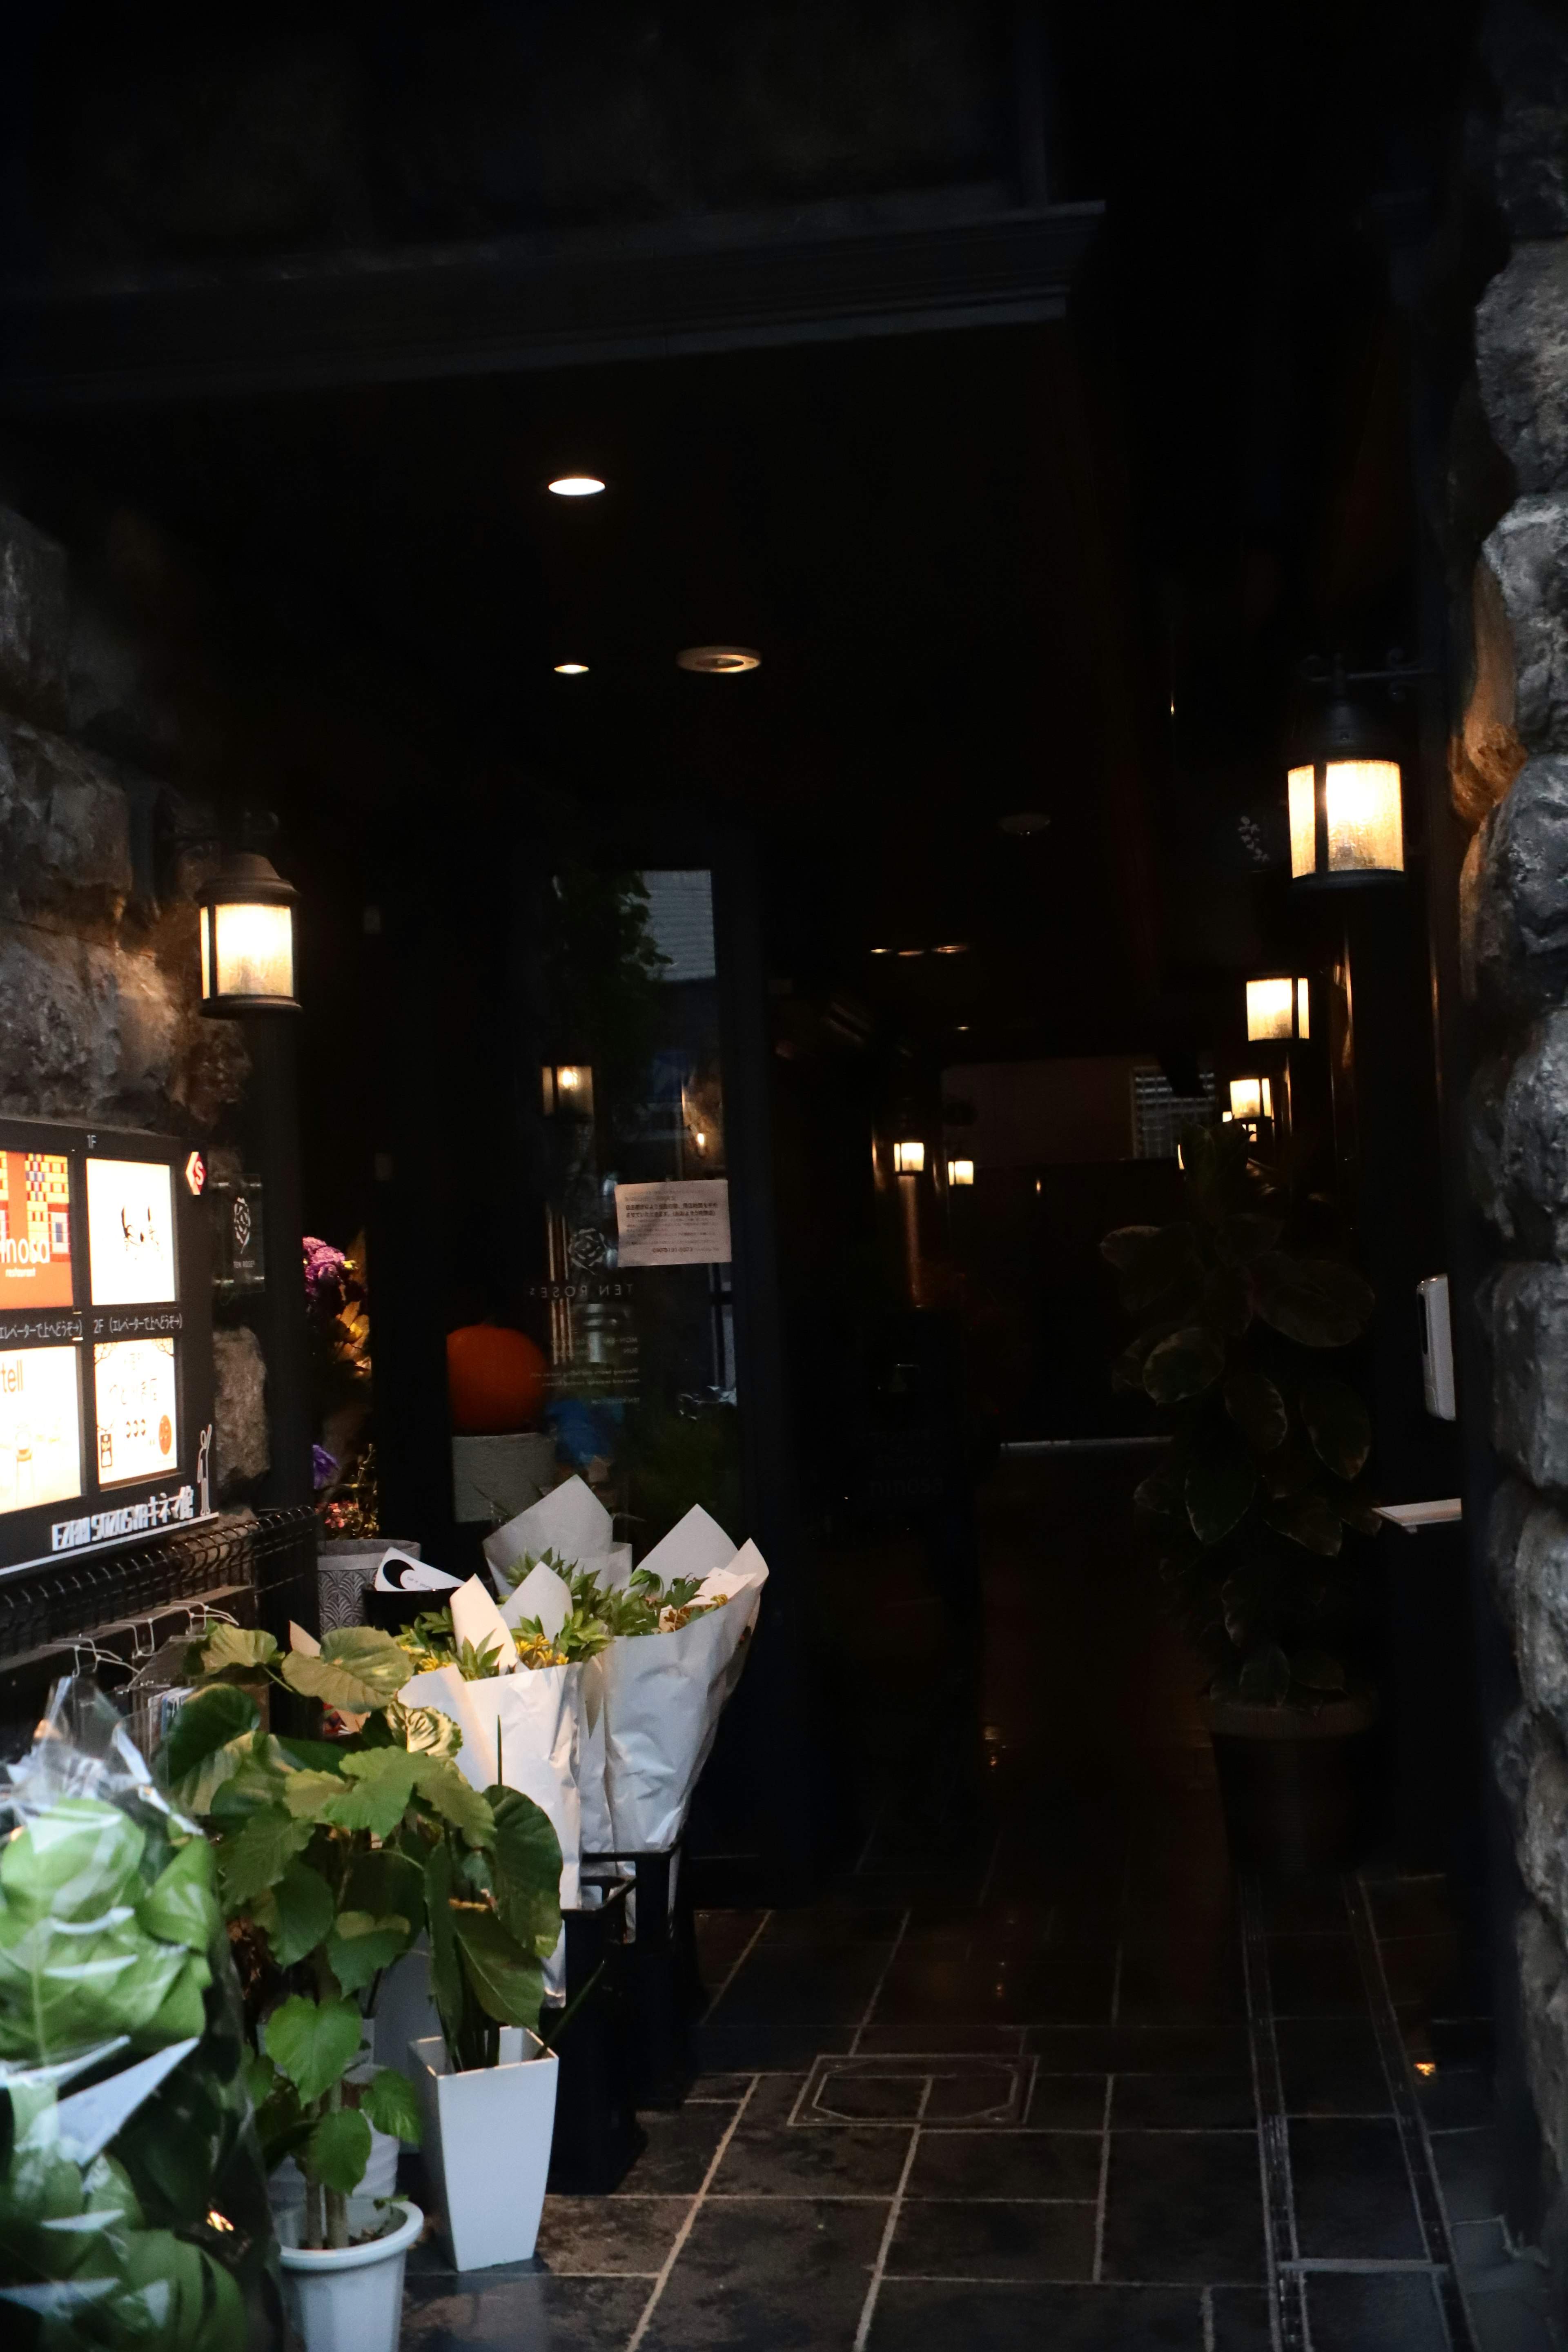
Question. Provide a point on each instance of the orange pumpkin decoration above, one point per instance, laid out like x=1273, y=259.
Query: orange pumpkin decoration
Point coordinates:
x=495, y=1380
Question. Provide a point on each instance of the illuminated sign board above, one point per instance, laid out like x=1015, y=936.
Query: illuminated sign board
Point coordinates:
x=105, y=1338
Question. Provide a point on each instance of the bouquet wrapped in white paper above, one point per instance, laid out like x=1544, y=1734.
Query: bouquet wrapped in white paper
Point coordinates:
x=573, y=1526
x=664, y=1691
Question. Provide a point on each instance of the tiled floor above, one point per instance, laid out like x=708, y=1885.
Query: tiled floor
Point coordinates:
x=1038, y=2071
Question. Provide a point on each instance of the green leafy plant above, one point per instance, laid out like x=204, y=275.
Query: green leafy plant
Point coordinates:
x=332, y=1856
x=1263, y=1480
x=132, y=2202
x=598, y=1615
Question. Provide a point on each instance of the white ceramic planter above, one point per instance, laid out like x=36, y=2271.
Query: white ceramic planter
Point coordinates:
x=350, y=2301
x=486, y=2141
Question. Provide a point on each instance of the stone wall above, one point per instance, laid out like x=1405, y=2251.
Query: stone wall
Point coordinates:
x=98, y=1016
x=1508, y=765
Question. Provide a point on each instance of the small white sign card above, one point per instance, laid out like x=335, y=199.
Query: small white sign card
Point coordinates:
x=674, y=1224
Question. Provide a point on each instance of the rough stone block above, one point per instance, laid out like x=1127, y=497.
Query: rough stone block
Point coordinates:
x=1512, y=1507
x=1521, y=359
x=1524, y=46
x=1482, y=1128
x=241, y=1448
x=65, y=838
x=1529, y=1372
x=92, y=1030
x=34, y=610
x=1516, y=911
x=1527, y=556
x=1530, y=1171
x=1514, y=1750
x=1540, y=1592
x=1542, y=1838
x=1544, y=1983
x=1487, y=754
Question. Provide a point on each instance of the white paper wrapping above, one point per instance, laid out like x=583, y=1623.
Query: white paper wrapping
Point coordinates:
x=695, y=1546
x=476, y=1619
x=664, y=1693
x=569, y=1521
x=542, y=1595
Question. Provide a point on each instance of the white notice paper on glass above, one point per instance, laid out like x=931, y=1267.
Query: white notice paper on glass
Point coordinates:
x=674, y=1224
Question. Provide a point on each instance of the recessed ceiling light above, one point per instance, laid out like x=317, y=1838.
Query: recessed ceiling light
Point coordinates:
x=1025, y=822
x=718, y=661
x=576, y=486
x=960, y=947
x=571, y=669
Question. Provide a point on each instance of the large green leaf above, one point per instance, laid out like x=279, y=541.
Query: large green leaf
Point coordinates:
x=379, y=1784
x=1160, y=1496
x=360, y=1947
x=74, y=1862
x=525, y=1871
x=301, y=1915
x=385, y=1882
x=447, y=1793
x=1186, y=1364
x=1258, y=1409
x=1152, y=1260
x=228, y=1647
x=1317, y=1302
x=1311, y=1521
x=1264, y=1675
x=308, y=1794
x=207, y=1721
x=390, y=2104
x=1220, y=1488
x=507, y=1983
x=1244, y=1238
x=360, y=1668
x=446, y=1973
x=1338, y=1424
x=314, y=2043
x=338, y=2150
x=258, y=1853
x=181, y=1904
x=1226, y=1304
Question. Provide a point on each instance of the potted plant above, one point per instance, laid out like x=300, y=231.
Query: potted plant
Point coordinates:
x=1239, y=1307
x=333, y=1857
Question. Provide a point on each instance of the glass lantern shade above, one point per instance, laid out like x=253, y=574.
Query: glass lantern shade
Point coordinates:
x=961, y=1171
x=1277, y=1009
x=567, y=1087
x=1251, y=1098
x=246, y=919
x=1346, y=821
x=908, y=1159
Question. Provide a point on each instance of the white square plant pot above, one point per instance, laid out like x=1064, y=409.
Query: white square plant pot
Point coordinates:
x=352, y=2300
x=487, y=2142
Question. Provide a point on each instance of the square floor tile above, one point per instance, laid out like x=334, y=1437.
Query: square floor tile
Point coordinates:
x=770, y=2276
x=1183, y=2205
x=1456, y=2096
x=1066, y=2102
x=680, y=2147
x=1240, y=2316
x=912, y=2316
x=618, y=2233
x=839, y=2161
x=496, y=2310
x=1304, y=1906
x=1211, y=2102
x=948, y=2240
x=1331, y=2066
x=944, y=2036
x=765, y=2049
x=1007, y=2164
x=1470, y=2167
x=1315, y=1975
x=1356, y=2313
x=1351, y=2190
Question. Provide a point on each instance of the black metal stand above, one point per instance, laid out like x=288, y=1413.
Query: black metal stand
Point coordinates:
x=664, y=1983
x=598, y=2138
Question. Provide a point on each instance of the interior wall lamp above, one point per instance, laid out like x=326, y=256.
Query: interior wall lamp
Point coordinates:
x=247, y=915
x=1250, y=1098
x=908, y=1159
x=1346, y=804
x=1277, y=1009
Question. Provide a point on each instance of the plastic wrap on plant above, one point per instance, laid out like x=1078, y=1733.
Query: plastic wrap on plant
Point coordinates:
x=133, y=2200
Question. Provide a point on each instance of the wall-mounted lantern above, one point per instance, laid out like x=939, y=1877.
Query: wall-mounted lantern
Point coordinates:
x=1251, y=1099
x=1346, y=803
x=567, y=1087
x=908, y=1159
x=248, y=939
x=960, y=1172
x=1277, y=1009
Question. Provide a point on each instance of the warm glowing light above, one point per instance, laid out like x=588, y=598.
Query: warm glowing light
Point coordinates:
x=908, y=1159
x=1268, y=1008
x=1303, y=823
x=217, y=2221
x=700, y=1140
x=720, y=661
x=1366, y=831
x=576, y=486
x=251, y=952
x=1303, y=1009
x=961, y=948
x=961, y=1171
x=1425, y=2066
x=1247, y=1098
x=881, y=951
x=571, y=669
x=568, y=1079
x=911, y=951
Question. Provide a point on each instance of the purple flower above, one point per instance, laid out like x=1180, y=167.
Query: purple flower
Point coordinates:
x=326, y=1270
x=323, y=1466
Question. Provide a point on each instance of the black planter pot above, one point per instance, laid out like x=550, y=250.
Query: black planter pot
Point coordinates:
x=1292, y=1781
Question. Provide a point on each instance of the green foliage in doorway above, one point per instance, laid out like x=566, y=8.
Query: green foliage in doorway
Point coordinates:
x=1251, y=1506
